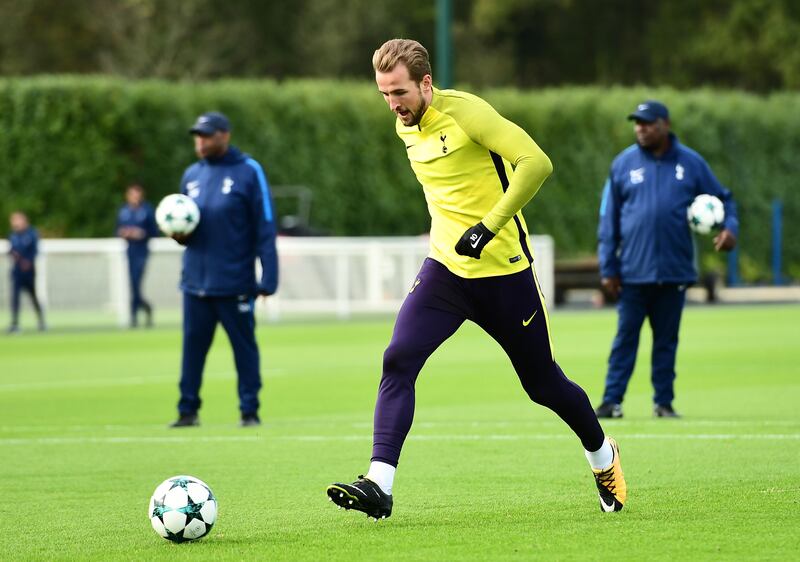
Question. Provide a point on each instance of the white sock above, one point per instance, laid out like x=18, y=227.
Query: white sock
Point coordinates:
x=382, y=474
x=602, y=457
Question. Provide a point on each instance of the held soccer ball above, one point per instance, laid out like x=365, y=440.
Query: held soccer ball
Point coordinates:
x=705, y=213
x=177, y=214
x=182, y=508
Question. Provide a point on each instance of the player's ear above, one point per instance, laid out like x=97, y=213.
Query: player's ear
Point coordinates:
x=427, y=83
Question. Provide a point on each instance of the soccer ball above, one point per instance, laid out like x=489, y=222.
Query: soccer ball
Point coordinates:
x=177, y=214
x=183, y=508
x=705, y=212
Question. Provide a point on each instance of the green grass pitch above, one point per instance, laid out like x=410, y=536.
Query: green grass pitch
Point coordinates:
x=485, y=474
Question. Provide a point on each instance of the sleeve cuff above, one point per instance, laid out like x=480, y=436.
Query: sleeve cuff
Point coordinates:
x=490, y=223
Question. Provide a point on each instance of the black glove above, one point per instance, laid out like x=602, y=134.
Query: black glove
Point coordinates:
x=473, y=241
x=182, y=239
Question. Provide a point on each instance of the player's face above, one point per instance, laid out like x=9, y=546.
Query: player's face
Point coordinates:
x=134, y=197
x=406, y=98
x=18, y=221
x=653, y=134
x=206, y=146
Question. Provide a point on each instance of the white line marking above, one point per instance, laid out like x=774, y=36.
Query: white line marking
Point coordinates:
x=687, y=423
x=779, y=490
x=76, y=428
x=655, y=436
x=318, y=438
x=125, y=440
x=496, y=437
x=121, y=381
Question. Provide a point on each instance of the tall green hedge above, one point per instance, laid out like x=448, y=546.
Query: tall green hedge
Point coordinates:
x=69, y=144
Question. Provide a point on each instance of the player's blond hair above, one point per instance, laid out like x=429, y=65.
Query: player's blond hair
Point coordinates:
x=407, y=52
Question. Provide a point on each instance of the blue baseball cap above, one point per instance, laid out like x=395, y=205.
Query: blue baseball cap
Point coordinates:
x=209, y=123
x=650, y=111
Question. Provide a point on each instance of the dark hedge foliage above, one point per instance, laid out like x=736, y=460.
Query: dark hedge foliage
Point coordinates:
x=69, y=145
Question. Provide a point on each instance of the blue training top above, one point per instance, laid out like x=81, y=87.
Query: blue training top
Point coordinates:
x=142, y=217
x=644, y=234
x=24, y=248
x=237, y=225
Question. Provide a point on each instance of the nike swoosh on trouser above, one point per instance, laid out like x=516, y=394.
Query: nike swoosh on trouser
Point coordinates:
x=528, y=321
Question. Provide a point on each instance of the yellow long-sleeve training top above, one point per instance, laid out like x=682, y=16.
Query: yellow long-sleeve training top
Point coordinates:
x=475, y=165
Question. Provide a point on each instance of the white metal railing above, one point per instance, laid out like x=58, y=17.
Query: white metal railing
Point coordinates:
x=326, y=275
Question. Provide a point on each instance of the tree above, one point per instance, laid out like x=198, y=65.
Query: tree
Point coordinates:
x=752, y=44
x=755, y=44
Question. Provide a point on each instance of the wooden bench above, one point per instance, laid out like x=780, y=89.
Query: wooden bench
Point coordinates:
x=585, y=274
x=576, y=274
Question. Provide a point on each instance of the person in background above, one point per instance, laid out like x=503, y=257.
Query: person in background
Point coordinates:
x=24, y=248
x=237, y=226
x=136, y=223
x=646, y=251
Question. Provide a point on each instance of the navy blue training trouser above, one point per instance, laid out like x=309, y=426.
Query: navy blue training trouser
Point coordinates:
x=663, y=305
x=136, y=266
x=19, y=283
x=511, y=310
x=200, y=318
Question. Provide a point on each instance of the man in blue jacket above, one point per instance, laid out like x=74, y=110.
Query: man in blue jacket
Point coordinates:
x=646, y=251
x=237, y=225
x=136, y=223
x=24, y=248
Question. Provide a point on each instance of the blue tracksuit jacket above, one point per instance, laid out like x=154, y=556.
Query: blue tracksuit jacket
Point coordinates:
x=143, y=217
x=644, y=234
x=24, y=245
x=237, y=225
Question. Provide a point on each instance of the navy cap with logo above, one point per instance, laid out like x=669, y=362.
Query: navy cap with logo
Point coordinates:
x=650, y=111
x=209, y=123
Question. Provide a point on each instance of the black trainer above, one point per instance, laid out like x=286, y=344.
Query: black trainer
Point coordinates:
x=186, y=420
x=362, y=495
x=250, y=420
x=608, y=410
x=661, y=411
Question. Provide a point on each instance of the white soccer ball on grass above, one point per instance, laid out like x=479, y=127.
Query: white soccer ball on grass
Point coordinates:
x=183, y=508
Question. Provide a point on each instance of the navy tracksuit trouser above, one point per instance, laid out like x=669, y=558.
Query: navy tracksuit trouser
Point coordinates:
x=136, y=266
x=511, y=310
x=662, y=304
x=200, y=318
x=19, y=283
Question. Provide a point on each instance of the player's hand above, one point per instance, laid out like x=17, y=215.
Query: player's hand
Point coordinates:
x=473, y=241
x=181, y=239
x=611, y=285
x=725, y=241
x=264, y=291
